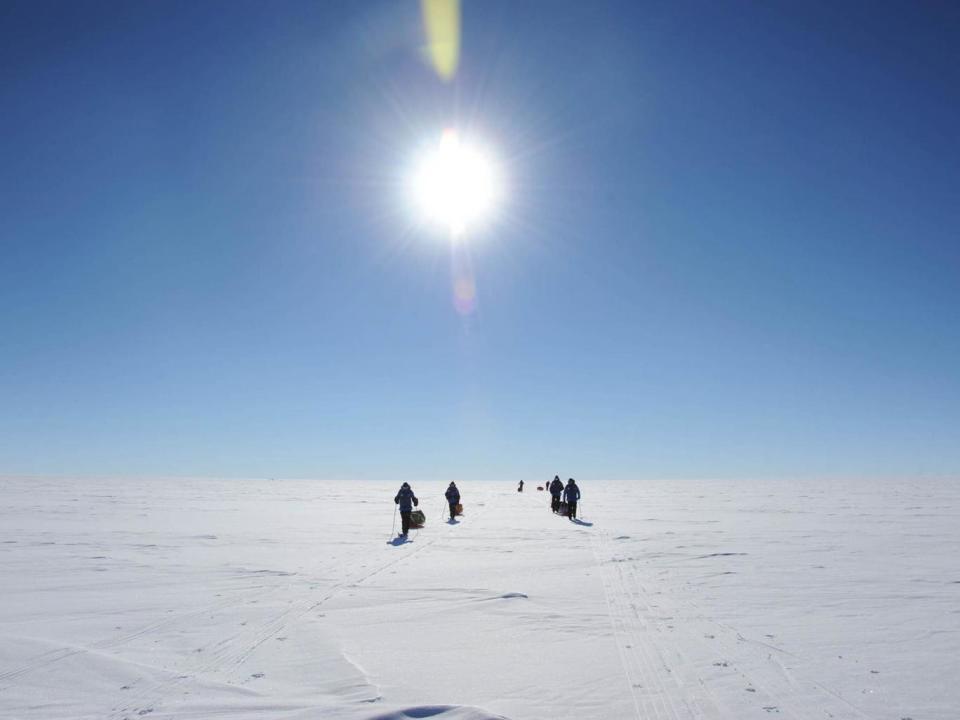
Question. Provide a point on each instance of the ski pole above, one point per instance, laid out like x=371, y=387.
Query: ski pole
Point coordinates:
x=393, y=530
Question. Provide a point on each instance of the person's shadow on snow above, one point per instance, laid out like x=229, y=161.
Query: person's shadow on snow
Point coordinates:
x=578, y=521
x=399, y=540
x=453, y=521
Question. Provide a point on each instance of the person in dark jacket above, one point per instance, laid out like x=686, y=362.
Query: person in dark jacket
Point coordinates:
x=556, y=490
x=520, y=486
x=406, y=500
x=571, y=493
x=453, y=498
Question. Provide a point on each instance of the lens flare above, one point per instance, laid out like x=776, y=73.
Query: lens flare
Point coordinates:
x=441, y=23
x=464, y=294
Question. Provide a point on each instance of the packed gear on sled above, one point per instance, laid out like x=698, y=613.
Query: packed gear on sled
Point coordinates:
x=458, y=509
x=417, y=519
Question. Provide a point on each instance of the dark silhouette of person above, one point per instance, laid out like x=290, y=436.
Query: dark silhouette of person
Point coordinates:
x=406, y=500
x=571, y=493
x=556, y=490
x=453, y=498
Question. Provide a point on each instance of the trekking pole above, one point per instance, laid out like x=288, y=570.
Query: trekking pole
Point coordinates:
x=393, y=530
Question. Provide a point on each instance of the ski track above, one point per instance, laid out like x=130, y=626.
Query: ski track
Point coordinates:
x=666, y=684
x=50, y=657
x=232, y=652
x=655, y=685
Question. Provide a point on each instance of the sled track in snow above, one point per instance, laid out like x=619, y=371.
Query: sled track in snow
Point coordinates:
x=50, y=657
x=233, y=651
x=776, y=689
x=661, y=688
x=667, y=685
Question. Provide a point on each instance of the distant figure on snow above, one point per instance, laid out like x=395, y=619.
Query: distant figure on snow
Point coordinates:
x=571, y=493
x=406, y=500
x=453, y=498
x=556, y=490
x=520, y=487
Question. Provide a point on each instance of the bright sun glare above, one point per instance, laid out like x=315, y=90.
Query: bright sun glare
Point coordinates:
x=455, y=185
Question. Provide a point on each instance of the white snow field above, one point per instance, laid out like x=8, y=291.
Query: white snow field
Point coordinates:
x=672, y=600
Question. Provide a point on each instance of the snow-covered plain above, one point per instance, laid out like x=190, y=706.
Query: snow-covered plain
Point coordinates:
x=286, y=599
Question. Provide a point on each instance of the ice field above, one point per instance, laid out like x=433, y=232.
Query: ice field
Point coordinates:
x=669, y=600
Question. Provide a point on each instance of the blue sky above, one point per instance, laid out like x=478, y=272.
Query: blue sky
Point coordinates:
x=730, y=244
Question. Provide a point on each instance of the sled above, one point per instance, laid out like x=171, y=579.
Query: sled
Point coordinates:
x=458, y=509
x=417, y=519
x=540, y=488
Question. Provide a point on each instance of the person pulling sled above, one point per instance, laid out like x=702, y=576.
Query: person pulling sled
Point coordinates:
x=556, y=490
x=407, y=501
x=453, y=498
x=571, y=493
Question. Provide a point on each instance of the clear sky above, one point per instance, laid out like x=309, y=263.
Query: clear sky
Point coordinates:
x=729, y=245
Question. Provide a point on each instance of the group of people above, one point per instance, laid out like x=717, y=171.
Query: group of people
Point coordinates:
x=570, y=494
x=407, y=501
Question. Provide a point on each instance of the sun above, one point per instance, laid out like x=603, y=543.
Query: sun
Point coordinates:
x=455, y=185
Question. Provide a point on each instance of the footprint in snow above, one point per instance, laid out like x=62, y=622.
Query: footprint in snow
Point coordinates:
x=771, y=708
x=257, y=675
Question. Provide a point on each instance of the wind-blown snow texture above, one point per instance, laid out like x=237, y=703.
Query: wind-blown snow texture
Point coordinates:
x=287, y=600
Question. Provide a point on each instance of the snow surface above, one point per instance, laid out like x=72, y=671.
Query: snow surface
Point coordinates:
x=288, y=600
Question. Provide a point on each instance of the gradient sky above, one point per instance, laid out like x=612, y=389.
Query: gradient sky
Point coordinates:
x=730, y=248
